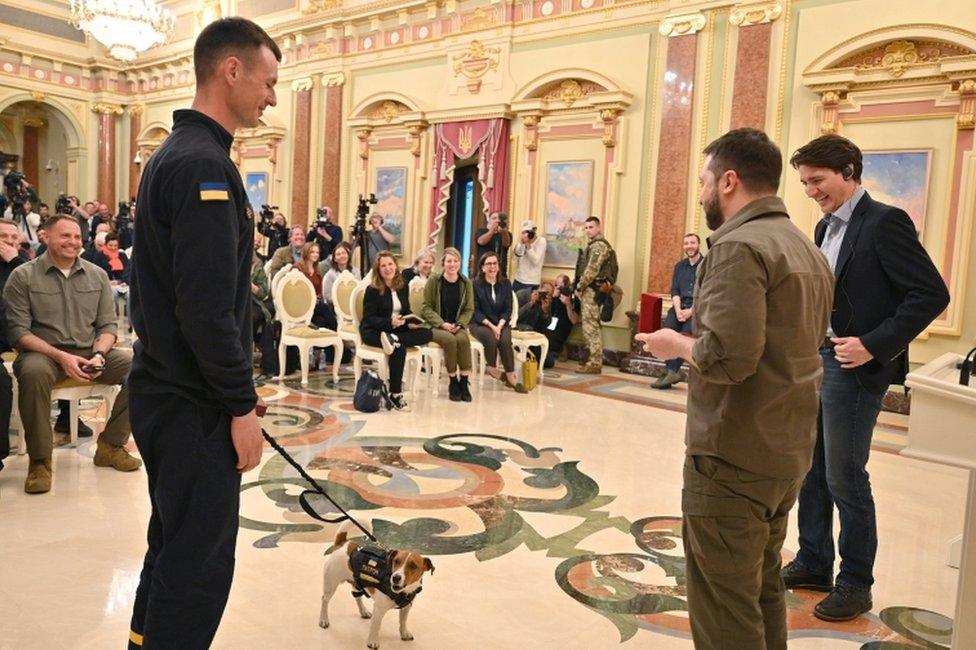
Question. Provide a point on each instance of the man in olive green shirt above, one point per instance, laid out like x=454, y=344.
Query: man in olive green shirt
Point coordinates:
x=61, y=317
x=762, y=299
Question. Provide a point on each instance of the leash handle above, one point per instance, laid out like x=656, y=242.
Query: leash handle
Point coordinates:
x=302, y=498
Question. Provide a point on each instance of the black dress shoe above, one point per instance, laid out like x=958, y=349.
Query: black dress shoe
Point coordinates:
x=844, y=604
x=796, y=577
x=84, y=431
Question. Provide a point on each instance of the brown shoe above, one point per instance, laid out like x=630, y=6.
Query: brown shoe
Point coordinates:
x=589, y=370
x=107, y=455
x=38, y=477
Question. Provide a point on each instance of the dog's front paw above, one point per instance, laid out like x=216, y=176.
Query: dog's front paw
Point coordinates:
x=406, y=636
x=324, y=623
x=373, y=646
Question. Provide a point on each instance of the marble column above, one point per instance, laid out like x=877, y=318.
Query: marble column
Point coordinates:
x=135, y=128
x=751, y=84
x=301, y=151
x=332, y=139
x=30, y=164
x=674, y=156
x=107, y=115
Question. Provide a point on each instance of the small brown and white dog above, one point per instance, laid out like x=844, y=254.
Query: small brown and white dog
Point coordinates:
x=391, y=578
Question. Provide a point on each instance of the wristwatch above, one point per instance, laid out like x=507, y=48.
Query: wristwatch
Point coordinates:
x=100, y=354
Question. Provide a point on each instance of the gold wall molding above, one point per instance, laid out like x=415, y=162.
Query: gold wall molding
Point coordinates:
x=474, y=64
x=333, y=79
x=531, y=124
x=683, y=25
x=362, y=135
x=966, y=119
x=756, y=13
x=136, y=109
x=416, y=130
x=104, y=108
x=316, y=6
x=38, y=96
x=829, y=102
x=304, y=84
x=34, y=122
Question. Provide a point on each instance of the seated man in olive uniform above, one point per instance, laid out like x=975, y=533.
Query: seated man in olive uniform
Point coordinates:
x=61, y=318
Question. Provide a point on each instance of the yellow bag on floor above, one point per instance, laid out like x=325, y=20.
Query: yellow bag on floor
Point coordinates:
x=530, y=371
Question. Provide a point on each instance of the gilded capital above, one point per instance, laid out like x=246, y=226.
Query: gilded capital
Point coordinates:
x=302, y=85
x=34, y=122
x=104, y=108
x=756, y=13
x=683, y=25
x=332, y=79
x=136, y=109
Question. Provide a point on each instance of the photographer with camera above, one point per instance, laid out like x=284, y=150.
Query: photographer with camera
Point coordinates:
x=124, y=221
x=495, y=238
x=71, y=206
x=551, y=311
x=531, y=254
x=378, y=238
x=21, y=212
x=273, y=226
x=325, y=233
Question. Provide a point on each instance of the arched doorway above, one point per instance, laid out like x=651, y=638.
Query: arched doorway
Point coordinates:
x=45, y=143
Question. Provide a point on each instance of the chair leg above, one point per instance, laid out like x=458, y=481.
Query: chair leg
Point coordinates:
x=281, y=360
x=357, y=366
x=542, y=361
x=303, y=351
x=73, y=421
x=336, y=360
x=436, y=373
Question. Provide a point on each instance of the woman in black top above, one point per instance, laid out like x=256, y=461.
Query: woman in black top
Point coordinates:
x=492, y=312
x=448, y=307
x=386, y=304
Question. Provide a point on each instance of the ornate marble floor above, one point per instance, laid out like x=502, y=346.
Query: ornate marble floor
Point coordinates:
x=551, y=518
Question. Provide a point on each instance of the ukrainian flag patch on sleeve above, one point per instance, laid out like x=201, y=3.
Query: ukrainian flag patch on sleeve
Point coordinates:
x=214, y=192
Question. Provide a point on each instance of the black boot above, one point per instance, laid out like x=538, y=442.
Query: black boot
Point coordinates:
x=454, y=390
x=465, y=392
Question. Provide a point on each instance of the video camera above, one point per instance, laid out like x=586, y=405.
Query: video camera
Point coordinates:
x=321, y=217
x=62, y=205
x=15, y=185
x=362, y=212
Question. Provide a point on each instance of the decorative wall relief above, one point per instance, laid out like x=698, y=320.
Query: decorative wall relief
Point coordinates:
x=474, y=64
x=391, y=192
x=569, y=195
x=900, y=178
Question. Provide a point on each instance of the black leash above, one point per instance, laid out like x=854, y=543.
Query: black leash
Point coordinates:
x=317, y=489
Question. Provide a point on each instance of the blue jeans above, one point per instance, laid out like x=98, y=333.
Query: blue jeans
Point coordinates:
x=839, y=476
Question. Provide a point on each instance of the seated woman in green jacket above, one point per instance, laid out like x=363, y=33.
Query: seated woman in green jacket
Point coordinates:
x=448, y=307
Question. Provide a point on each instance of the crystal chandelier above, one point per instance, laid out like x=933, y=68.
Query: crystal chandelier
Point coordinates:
x=125, y=27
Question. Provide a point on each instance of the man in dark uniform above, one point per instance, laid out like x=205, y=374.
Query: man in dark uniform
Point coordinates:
x=192, y=394
x=682, y=297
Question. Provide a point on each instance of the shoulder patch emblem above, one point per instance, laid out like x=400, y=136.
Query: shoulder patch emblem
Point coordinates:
x=214, y=192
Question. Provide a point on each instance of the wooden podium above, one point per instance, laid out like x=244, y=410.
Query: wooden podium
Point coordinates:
x=942, y=429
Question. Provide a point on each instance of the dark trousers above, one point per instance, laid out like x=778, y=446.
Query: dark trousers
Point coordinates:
x=6, y=405
x=734, y=523
x=398, y=359
x=263, y=334
x=672, y=323
x=519, y=286
x=194, y=489
x=495, y=347
x=839, y=477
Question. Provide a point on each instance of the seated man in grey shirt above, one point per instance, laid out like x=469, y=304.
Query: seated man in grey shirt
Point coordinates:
x=61, y=319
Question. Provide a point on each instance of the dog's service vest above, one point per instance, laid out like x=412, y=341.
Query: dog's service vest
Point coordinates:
x=371, y=568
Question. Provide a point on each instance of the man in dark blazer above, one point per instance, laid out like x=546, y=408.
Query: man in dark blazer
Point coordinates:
x=887, y=291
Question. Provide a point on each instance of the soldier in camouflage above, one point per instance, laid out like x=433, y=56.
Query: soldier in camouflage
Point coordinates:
x=588, y=277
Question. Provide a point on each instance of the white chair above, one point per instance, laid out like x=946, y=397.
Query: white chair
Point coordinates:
x=342, y=290
x=69, y=389
x=294, y=301
x=366, y=352
x=278, y=276
x=432, y=353
x=522, y=341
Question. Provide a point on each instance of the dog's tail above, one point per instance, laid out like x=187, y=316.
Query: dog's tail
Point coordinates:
x=342, y=536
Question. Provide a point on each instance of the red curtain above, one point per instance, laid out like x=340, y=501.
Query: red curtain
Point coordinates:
x=453, y=141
